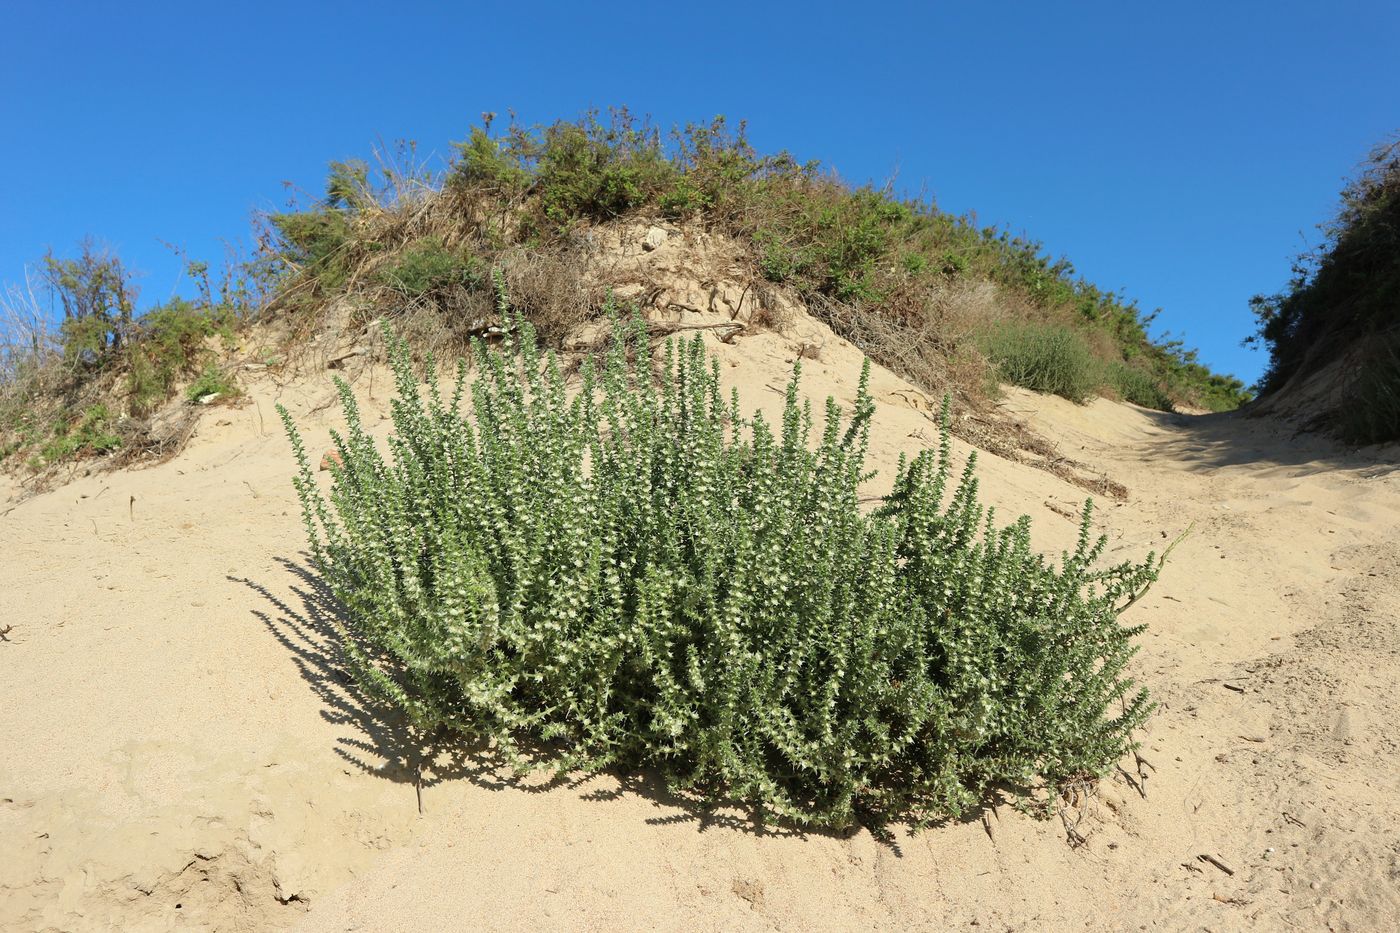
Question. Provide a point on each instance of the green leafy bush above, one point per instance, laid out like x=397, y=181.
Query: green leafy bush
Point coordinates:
x=484, y=163
x=169, y=345
x=1138, y=386
x=97, y=299
x=316, y=241
x=212, y=381
x=634, y=575
x=426, y=267
x=1047, y=358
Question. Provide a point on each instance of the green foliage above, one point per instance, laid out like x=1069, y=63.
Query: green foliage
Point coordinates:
x=1049, y=358
x=97, y=299
x=830, y=241
x=489, y=164
x=347, y=185
x=861, y=246
x=809, y=230
x=1370, y=413
x=1137, y=386
x=315, y=240
x=590, y=171
x=170, y=347
x=212, y=381
x=635, y=575
x=1215, y=392
x=52, y=379
x=426, y=268
x=91, y=434
x=1344, y=298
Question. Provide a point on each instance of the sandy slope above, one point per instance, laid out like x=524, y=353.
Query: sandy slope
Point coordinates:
x=180, y=750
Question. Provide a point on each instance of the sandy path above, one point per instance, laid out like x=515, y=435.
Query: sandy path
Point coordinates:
x=181, y=751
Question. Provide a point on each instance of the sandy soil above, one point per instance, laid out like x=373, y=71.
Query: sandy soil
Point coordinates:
x=181, y=751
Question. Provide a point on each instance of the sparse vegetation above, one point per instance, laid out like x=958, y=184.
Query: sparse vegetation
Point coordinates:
x=636, y=575
x=919, y=290
x=1343, y=305
x=90, y=434
x=212, y=382
x=88, y=384
x=894, y=276
x=427, y=269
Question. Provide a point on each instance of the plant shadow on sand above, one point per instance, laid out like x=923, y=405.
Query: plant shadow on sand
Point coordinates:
x=381, y=741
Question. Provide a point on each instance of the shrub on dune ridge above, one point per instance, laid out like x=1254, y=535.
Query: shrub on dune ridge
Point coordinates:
x=635, y=575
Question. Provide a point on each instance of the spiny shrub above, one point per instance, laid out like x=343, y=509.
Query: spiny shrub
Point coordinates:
x=1047, y=358
x=315, y=240
x=633, y=575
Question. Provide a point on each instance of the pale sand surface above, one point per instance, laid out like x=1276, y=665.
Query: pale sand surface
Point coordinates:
x=180, y=751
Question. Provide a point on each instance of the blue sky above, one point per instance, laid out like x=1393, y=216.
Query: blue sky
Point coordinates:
x=1182, y=152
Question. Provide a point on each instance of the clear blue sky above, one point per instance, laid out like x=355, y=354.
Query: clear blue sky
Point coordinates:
x=1177, y=151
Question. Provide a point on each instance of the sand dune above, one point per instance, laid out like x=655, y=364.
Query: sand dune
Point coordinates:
x=181, y=750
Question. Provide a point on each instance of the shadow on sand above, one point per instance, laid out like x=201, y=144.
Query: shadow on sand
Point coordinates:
x=1238, y=438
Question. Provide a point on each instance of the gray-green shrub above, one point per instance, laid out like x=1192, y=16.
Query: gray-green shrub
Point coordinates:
x=634, y=575
x=1137, y=386
x=427, y=268
x=1049, y=358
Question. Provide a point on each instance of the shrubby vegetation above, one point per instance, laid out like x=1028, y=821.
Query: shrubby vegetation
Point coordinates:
x=1344, y=304
x=86, y=384
x=1050, y=358
x=878, y=268
x=637, y=575
x=910, y=284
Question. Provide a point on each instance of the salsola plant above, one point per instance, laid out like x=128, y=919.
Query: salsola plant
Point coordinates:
x=628, y=573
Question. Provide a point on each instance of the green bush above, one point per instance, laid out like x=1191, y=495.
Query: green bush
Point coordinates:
x=97, y=299
x=1344, y=302
x=426, y=268
x=212, y=381
x=1049, y=358
x=317, y=241
x=1138, y=386
x=637, y=576
x=169, y=345
x=485, y=163
x=589, y=170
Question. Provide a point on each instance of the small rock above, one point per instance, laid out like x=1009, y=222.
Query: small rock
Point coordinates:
x=751, y=891
x=655, y=237
x=329, y=457
x=209, y=399
x=1349, y=726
